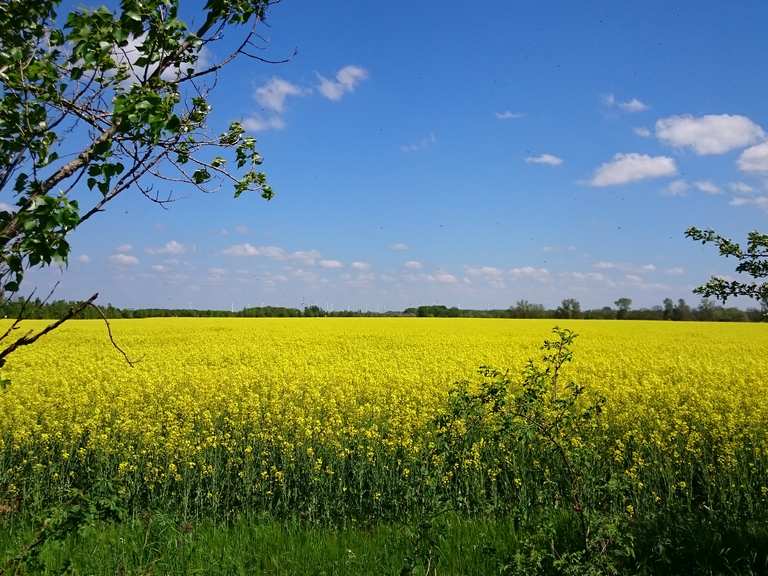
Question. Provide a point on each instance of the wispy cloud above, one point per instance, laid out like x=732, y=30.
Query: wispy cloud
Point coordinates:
x=509, y=115
x=758, y=201
x=708, y=187
x=398, y=247
x=677, y=188
x=632, y=105
x=84, y=259
x=330, y=264
x=123, y=259
x=307, y=257
x=123, y=248
x=642, y=131
x=546, y=159
x=422, y=144
x=633, y=167
x=347, y=79
x=413, y=265
x=171, y=247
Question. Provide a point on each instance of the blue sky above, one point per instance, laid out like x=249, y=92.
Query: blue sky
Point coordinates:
x=464, y=155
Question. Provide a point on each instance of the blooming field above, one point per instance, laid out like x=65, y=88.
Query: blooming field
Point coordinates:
x=330, y=418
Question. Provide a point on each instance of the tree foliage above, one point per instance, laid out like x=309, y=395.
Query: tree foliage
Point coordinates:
x=752, y=261
x=95, y=102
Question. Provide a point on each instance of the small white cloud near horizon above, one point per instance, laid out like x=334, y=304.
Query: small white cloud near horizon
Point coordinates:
x=361, y=266
x=445, y=278
x=330, y=264
x=347, y=79
x=123, y=248
x=4, y=207
x=709, y=134
x=172, y=247
x=398, y=247
x=122, y=259
x=754, y=159
x=84, y=259
x=413, y=265
x=675, y=271
x=509, y=115
x=306, y=257
x=422, y=144
x=529, y=273
x=546, y=159
x=632, y=167
x=708, y=187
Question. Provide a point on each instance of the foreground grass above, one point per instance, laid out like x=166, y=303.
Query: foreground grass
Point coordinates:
x=446, y=545
x=160, y=545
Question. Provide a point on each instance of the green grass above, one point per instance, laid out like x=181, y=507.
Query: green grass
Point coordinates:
x=160, y=545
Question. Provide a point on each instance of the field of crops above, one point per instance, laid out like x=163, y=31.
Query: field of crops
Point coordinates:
x=331, y=419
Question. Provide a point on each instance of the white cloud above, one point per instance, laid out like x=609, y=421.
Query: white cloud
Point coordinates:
x=754, y=159
x=707, y=186
x=740, y=187
x=347, y=79
x=677, y=188
x=633, y=167
x=642, y=132
x=5, y=207
x=758, y=201
x=272, y=94
x=675, y=271
x=84, y=259
x=160, y=268
x=307, y=257
x=603, y=265
x=425, y=142
x=633, y=278
x=509, y=115
x=362, y=266
x=633, y=105
x=242, y=229
x=124, y=260
x=123, y=248
x=649, y=268
x=586, y=276
x=529, y=272
x=548, y=159
x=413, y=265
x=330, y=264
x=129, y=54
x=445, y=278
x=398, y=247
x=258, y=123
x=709, y=134
x=172, y=247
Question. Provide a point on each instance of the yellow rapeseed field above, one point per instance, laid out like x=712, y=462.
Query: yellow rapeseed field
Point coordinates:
x=331, y=416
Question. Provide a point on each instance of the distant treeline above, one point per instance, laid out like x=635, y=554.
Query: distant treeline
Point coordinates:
x=570, y=308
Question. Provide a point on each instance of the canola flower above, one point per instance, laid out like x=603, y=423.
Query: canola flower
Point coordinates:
x=333, y=418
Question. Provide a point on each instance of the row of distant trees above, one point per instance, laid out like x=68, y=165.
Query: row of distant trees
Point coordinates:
x=707, y=310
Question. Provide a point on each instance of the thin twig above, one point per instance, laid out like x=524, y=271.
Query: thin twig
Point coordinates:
x=130, y=362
